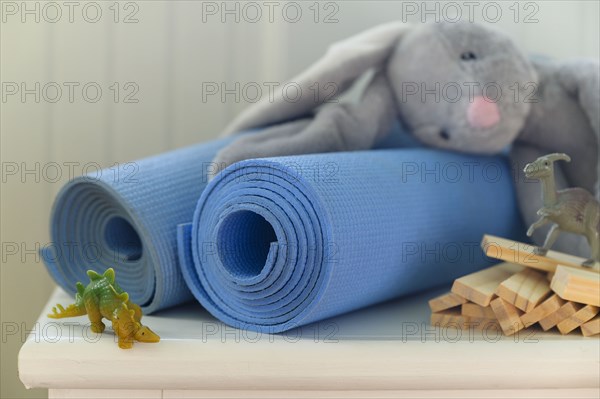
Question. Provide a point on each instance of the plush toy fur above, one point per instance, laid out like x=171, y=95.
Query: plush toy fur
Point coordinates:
x=556, y=107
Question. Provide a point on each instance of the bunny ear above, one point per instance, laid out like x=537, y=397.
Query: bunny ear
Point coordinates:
x=343, y=63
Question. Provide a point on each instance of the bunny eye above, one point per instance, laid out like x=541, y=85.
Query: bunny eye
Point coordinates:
x=468, y=56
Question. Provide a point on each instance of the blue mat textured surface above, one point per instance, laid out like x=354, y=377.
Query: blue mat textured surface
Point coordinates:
x=281, y=242
x=127, y=219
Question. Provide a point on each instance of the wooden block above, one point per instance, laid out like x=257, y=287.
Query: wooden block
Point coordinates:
x=564, y=312
x=481, y=324
x=508, y=316
x=452, y=318
x=582, y=316
x=477, y=311
x=449, y=318
x=582, y=286
x=446, y=301
x=479, y=287
x=591, y=327
x=525, y=290
x=543, y=310
x=524, y=255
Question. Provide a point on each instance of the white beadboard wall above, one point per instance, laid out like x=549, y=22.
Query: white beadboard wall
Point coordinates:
x=168, y=54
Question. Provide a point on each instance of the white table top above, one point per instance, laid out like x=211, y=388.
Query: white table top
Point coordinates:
x=390, y=346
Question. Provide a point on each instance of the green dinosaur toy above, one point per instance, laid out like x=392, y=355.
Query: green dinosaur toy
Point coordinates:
x=104, y=298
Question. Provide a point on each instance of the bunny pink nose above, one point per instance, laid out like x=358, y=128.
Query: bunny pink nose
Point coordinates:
x=483, y=113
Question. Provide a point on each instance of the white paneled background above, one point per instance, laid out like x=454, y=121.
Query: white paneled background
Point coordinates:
x=167, y=55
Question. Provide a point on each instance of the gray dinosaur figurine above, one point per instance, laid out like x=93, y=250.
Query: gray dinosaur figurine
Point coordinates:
x=545, y=106
x=572, y=210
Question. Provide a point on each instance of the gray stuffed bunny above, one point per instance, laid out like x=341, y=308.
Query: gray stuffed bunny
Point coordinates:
x=538, y=106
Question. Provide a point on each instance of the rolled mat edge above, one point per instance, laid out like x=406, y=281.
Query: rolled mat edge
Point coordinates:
x=126, y=218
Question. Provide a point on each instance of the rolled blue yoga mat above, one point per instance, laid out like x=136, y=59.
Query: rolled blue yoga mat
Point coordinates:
x=281, y=242
x=126, y=218
x=348, y=229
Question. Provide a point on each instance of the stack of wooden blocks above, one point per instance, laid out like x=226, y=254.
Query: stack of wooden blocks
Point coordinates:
x=552, y=290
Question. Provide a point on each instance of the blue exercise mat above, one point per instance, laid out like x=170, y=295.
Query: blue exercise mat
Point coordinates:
x=281, y=242
x=126, y=218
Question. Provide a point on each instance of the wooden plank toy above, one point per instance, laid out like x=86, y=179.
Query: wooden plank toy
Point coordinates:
x=564, y=312
x=591, y=327
x=477, y=311
x=525, y=255
x=543, y=310
x=449, y=318
x=508, y=316
x=580, y=317
x=576, y=285
x=483, y=324
x=525, y=289
x=554, y=290
x=452, y=318
x=446, y=301
x=479, y=287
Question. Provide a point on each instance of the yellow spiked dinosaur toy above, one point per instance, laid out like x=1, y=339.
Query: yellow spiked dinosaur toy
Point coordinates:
x=103, y=298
